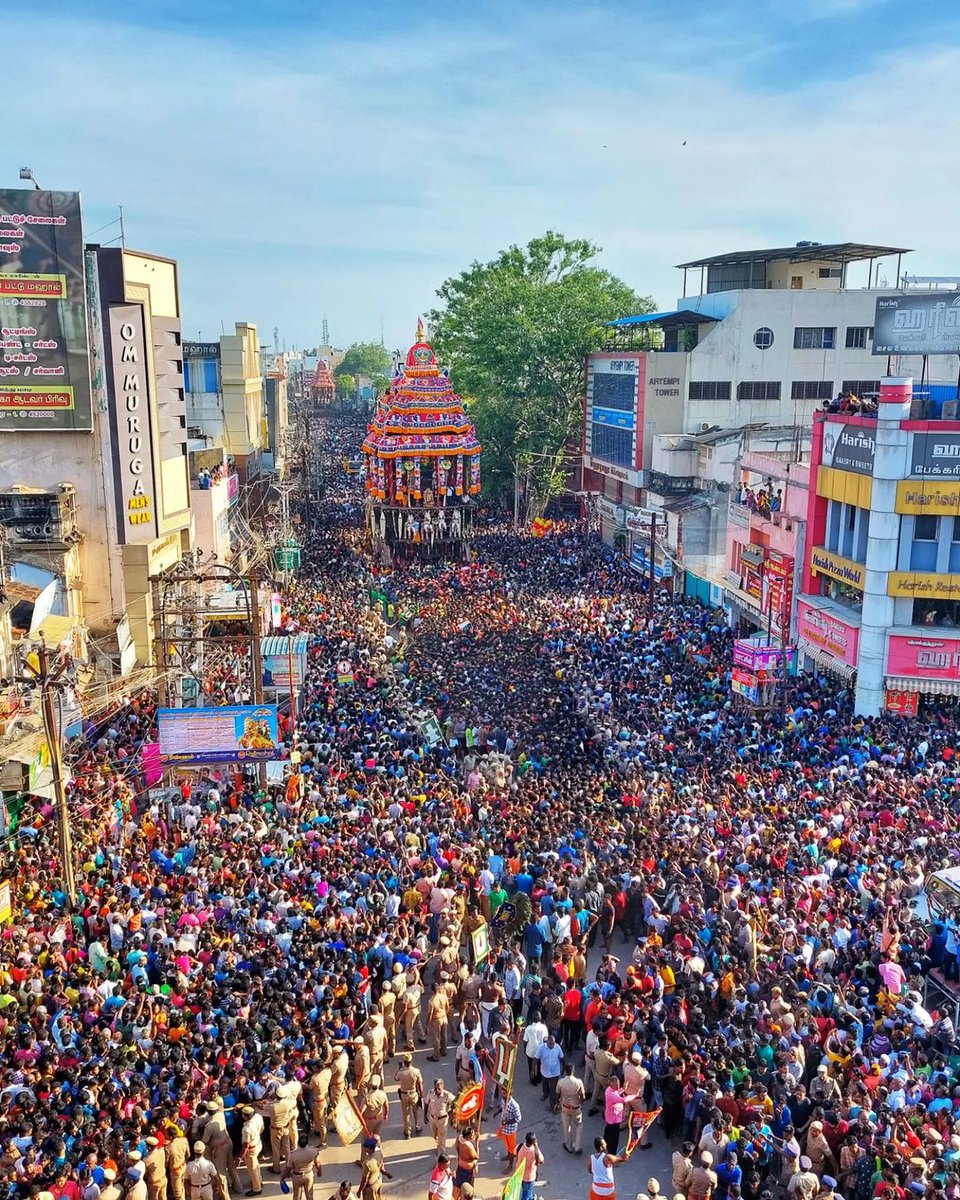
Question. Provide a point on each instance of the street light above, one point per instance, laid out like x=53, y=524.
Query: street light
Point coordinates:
x=27, y=173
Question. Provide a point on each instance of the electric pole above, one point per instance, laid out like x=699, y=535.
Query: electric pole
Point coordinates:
x=49, y=683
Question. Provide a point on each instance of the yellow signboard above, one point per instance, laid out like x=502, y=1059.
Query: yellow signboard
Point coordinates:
x=6, y=902
x=924, y=585
x=822, y=562
x=918, y=496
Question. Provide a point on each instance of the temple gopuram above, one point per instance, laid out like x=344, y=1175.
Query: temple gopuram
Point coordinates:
x=422, y=462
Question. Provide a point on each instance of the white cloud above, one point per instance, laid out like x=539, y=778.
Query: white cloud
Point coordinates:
x=292, y=180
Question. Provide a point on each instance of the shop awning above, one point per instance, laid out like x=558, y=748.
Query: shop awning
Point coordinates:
x=826, y=660
x=926, y=687
x=752, y=555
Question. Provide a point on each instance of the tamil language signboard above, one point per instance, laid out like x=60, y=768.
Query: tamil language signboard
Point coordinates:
x=44, y=350
x=231, y=733
x=917, y=323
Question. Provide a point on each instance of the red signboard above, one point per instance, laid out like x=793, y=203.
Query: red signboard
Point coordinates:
x=777, y=588
x=924, y=657
x=827, y=632
x=902, y=704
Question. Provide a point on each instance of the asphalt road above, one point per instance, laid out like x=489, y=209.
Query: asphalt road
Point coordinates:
x=562, y=1177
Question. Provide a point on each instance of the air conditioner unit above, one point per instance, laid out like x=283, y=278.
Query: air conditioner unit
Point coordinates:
x=705, y=426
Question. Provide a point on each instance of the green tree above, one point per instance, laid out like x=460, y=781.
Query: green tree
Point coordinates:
x=346, y=383
x=515, y=332
x=380, y=382
x=366, y=358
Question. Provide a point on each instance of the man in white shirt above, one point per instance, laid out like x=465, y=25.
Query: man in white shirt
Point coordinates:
x=534, y=1035
x=550, y=1058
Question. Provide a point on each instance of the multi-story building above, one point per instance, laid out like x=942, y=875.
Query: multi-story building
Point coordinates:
x=223, y=384
x=766, y=340
x=881, y=571
x=94, y=493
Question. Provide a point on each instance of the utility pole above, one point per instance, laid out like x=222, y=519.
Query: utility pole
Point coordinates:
x=49, y=683
x=256, y=657
x=653, y=577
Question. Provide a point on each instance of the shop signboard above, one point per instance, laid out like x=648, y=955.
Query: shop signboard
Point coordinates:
x=777, y=581
x=44, y=349
x=927, y=496
x=902, y=704
x=845, y=570
x=828, y=633
x=231, y=733
x=917, y=323
x=745, y=684
x=935, y=455
x=849, y=447
x=923, y=657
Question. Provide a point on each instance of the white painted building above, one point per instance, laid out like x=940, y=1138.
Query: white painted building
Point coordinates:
x=771, y=334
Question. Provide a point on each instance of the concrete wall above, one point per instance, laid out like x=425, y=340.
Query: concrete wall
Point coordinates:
x=727, y=353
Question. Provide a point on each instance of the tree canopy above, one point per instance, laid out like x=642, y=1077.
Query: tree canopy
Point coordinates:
x=366, y=358
x=515, y=332
x=346, y=383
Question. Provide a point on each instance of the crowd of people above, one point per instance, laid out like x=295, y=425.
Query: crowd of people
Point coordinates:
x=693, y=910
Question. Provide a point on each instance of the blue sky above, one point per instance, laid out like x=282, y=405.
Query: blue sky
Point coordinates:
x=302, y=159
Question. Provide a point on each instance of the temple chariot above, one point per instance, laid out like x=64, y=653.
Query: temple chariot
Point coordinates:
x=422, y=463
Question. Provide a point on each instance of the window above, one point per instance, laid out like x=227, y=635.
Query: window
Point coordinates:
x=796, y=282
x=186, y=377
x=858, y=336
x=923, y=551
x=811, y=389
x=830, y=273
x=814, y=337
x=861, y=387
x=210, y=381
x=759, y=390
x=710, y=390
x=763, y=338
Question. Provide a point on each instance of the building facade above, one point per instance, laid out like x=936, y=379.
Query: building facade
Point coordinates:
x=881, y=573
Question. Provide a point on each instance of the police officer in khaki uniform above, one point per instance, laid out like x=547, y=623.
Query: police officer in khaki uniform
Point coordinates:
x=571, y=1095
x=280, y=1109
x=437, y=1108
x=375, y=1039
x=178, y=1151
x=303, y=1167
x=438, y=1013
x=361, y=1067
x=216, y=1137
x=111, y=1189
x=411, y=1012
x=320, y=1084
x=136, y=1185
x=155, y=1169
x=411, y=1094
x=376, y=1108
x=251, y=1147
x=200, y=1174
x=388, y=1010
x=339, y=1067
x=604, y=1066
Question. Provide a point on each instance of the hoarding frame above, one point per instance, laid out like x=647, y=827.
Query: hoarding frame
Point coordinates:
x=920, y=323
x=168, y=718
x=46, y=340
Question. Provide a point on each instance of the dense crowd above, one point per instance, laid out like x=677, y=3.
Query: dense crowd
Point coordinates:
x=693, y=908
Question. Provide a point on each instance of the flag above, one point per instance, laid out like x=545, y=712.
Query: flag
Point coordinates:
x=469, y=1104
x=347, y=1119
x=514, y=1185
x=640, y=1122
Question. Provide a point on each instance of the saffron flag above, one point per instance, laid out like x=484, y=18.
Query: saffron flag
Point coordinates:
x=640, y=1122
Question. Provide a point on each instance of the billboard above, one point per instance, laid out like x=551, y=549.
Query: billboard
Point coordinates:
x=614, y=413
x=849, y=447
x=233, y=733
x=935, y=455
x=193, y=350
x=44, y=351
x=917, y=323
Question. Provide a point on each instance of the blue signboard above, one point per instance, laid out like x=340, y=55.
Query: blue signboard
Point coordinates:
x=231, y=733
